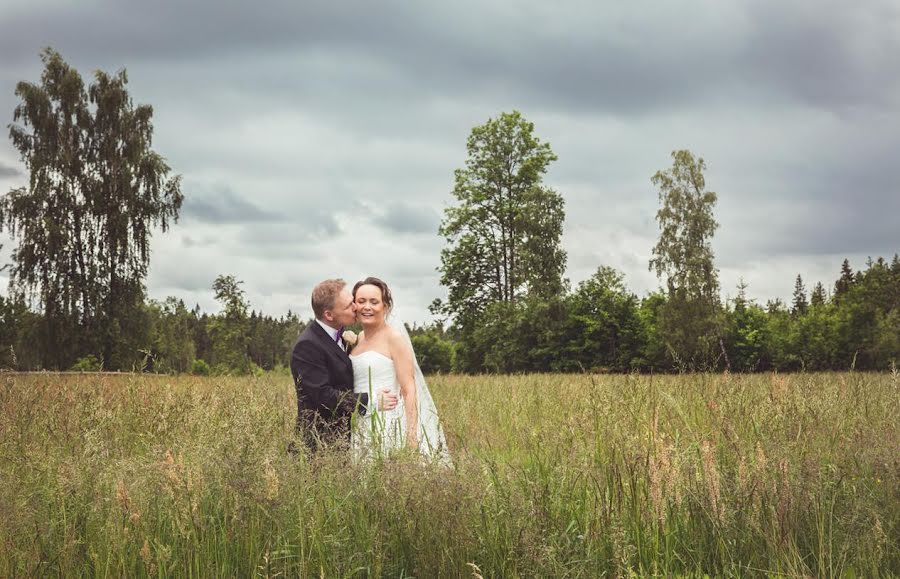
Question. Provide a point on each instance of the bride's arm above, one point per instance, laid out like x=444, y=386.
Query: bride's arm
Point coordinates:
x=403, y=365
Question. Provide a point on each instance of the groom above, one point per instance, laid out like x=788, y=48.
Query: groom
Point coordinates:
x=323, y=373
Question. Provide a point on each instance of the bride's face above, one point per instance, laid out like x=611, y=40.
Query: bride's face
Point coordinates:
x=369, y=305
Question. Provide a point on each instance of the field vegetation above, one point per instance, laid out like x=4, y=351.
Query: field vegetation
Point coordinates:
x=553, y=475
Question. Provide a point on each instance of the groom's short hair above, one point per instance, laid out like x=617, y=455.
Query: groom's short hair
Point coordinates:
x=324, y=296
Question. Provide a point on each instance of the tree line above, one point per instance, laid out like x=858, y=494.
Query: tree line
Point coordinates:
x=509, y=308
x=601, y=326
x=166, y=337
x=97, y=189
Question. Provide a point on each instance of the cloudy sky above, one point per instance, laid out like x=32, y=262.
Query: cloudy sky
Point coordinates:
x=319, y=139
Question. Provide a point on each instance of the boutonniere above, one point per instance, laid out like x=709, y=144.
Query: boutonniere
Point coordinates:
x=349, y=338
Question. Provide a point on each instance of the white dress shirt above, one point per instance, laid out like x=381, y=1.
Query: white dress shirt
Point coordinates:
x=333, y=333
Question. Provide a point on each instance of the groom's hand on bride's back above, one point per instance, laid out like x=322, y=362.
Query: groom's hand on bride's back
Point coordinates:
x=387, y=400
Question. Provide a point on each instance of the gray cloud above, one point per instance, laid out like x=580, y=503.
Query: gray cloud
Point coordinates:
x=403, y=218
x=336, y=127
x=581, y=56
x=7, y=171
x=226, y=206
x=190, y=241
x=283, y=241
x=825, y=53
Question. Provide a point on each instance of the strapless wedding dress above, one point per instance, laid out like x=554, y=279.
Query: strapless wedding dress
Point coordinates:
x=378, y=432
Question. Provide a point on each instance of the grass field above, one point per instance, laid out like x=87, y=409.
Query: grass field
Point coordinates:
x=554, y=476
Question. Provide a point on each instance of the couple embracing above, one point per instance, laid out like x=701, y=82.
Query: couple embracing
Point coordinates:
x=375, y=396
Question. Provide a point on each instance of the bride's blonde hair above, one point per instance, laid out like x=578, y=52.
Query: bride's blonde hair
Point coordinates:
x=385, y=291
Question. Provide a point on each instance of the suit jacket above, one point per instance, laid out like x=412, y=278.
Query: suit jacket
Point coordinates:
x=323, y=378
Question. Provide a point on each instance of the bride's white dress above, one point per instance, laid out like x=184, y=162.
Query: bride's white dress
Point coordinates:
x=378, y=433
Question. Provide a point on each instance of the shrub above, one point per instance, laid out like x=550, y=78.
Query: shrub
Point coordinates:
x=89, y=363
x=199, y=367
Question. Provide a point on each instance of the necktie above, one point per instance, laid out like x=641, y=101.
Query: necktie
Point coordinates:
x=340, y=333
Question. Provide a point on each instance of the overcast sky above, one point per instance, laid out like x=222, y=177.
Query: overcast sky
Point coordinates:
x=320, y=139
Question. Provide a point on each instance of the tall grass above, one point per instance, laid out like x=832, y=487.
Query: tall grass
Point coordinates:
x=563, y=476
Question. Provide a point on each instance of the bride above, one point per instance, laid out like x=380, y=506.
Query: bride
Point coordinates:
x=384, y=357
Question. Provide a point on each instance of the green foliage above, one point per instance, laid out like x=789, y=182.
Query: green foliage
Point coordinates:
x=256, y=370
x=172, y=347
x=653, y=355
x=271, y=339
x=845, y=281
x=230, y=329
x=747, y=340
x=683, y=253
x=199, y=367
x=886, y=343
x=88, y=363
x=602, y=327
x=867, y=310
x=433, y=352
x=690, y=319
x=503, y=236
x=818, y=297
x=800, y=305
x=96, y=189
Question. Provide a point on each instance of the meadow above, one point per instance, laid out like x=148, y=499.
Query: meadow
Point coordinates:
x=554, y=476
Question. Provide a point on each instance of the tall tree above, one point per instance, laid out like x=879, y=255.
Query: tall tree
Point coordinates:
x=230, y=329
x=504, y=234
x=83, y=223
x=683, y=255
x=845, y=282
x=130, y=193
x=46, y=215
x=818, y=296
x=799, y=304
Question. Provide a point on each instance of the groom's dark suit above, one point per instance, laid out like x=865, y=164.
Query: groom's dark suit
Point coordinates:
x=323, y=377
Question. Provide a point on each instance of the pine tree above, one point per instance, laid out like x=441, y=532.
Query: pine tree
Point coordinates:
x=800, y=304
x=818, y=297
x=845, y=282
x=740, y=302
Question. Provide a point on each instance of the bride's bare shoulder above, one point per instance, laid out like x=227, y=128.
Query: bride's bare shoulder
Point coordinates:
x=397, y=340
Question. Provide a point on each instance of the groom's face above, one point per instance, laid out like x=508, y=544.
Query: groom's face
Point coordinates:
x=344, y=312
